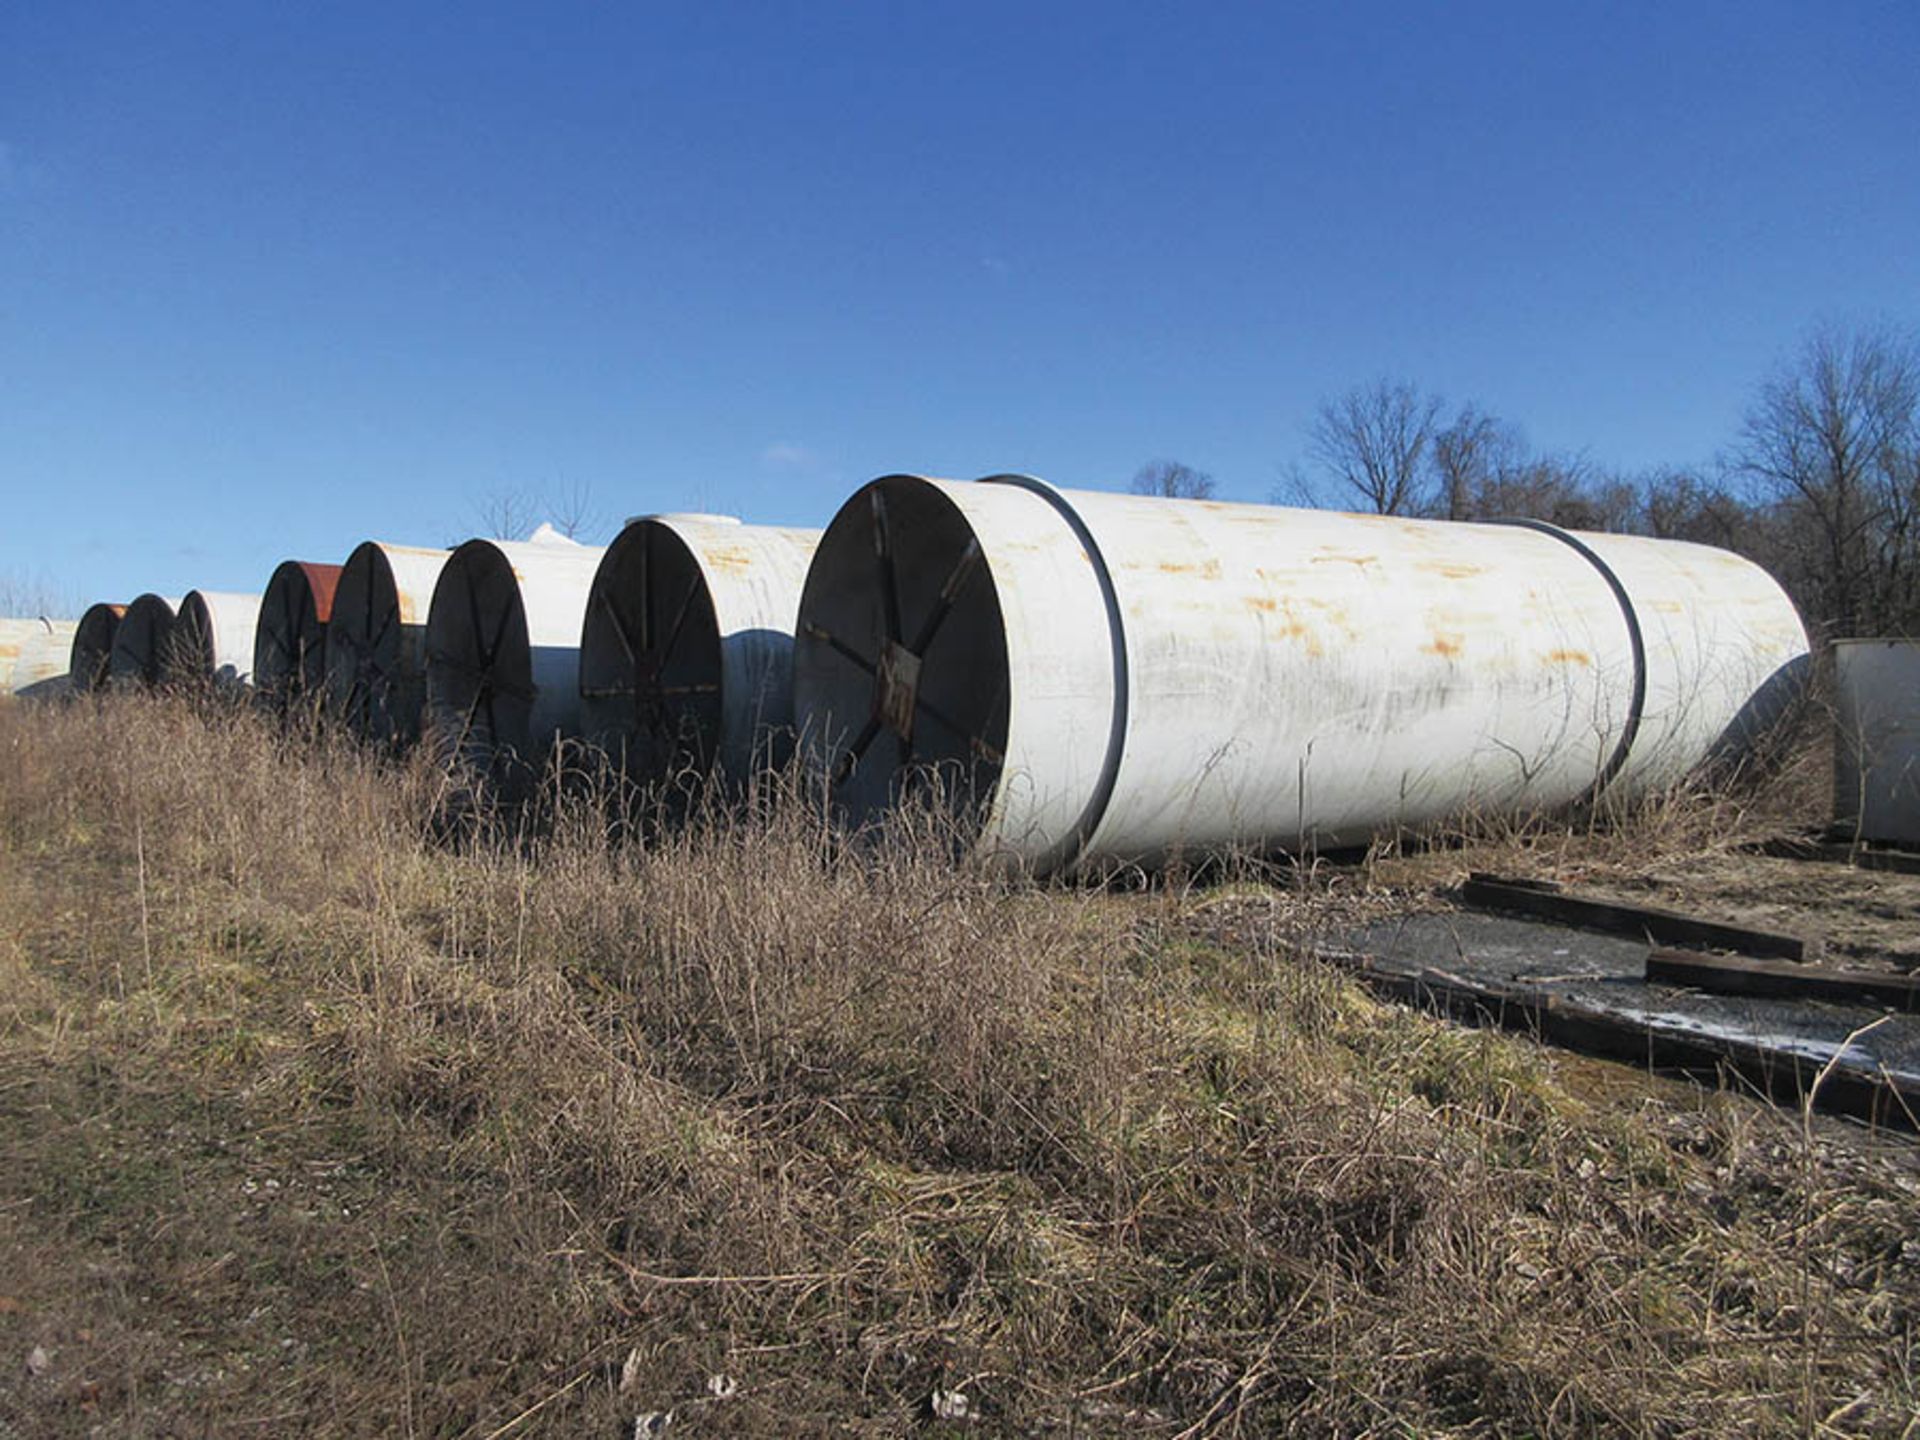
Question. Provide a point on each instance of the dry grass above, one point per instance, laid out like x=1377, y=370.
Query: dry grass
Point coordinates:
x=312, y=1123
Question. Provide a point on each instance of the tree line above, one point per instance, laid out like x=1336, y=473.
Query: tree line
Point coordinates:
x=1820, y=483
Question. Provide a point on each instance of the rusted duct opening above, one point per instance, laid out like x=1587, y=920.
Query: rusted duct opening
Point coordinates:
x=289, y=642
x=503, y=650
x=376, y=640
x=34, y=655
x=93, y=646
x=212, y=640
x=686, y=653
x=1103, y=679
x=139, y=644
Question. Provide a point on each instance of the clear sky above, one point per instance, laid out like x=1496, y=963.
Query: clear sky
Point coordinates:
x=275, y=278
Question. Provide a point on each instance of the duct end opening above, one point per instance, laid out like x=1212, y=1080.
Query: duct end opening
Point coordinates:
x=900, y=661
x=480, y=688
x=92, y=652
x=139, y=642
x=364, y=644
x=187, y=655
x=289, y=644
x=651, y=670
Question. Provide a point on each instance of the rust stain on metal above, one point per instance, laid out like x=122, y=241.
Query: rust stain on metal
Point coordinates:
x=1568, y=657
x=728, y=557
x=322, y=581
x=1203, y=570
x=1445, y=644
x=1450, y=569
x=896, y=689
x=1336, y=557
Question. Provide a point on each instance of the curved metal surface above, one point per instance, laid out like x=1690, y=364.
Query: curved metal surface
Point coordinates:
x=139, y=642
x=686, y=648
x=35, y=654
x=376, y=640
x=1190, y=675
x=93, y=646
x=956, y=634
x=289, y=644
x=212, y=640
x=502, y=648
x=1726, y=654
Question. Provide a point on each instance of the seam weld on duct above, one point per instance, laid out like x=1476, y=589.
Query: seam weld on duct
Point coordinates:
x=376, y=640
x=139, y=642
x=686, y=651
x=93, y=646
x=1105, y=679
x=211, y=642
x=35, y=655
x=503, y=648
x=289, y=641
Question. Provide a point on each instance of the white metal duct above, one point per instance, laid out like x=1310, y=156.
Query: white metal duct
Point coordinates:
x=289, y=643
x=211, y=641
x=376, y=640
x=503, y=647
x=686, y=652
x=34, y=655
x=1111, y=679
x=1876, y=752
x=92, y=649
x=139, y=642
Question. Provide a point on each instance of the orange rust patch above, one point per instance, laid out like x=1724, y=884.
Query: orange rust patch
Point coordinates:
x=729, y=557
x=1262, y=603
x=1205, y=570
x=1334, y=557
x=1450, y=569
x=1569, y=657
x=1447, y=647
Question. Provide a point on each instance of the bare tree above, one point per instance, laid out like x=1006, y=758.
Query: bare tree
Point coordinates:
x=1833, y=440
x=513, y=514
x=1173, y=480
x=1376, y=441
x=1472, y=456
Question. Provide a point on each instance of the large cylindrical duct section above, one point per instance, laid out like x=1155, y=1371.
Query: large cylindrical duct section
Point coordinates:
x=686, y=653
x=376, y=640
x=1104, y=679
x=211, y=642
x=289, y=641
x=34, y=655
x=503, y=649
x=140, y=641
x=92, y=652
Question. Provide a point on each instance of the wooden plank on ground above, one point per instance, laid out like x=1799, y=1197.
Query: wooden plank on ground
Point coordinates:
x=1864, y=1091
x=1781, y=979
x=1657, y=926
x=1861, y=857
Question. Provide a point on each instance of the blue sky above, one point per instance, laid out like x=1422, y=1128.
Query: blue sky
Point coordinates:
x=276, y=278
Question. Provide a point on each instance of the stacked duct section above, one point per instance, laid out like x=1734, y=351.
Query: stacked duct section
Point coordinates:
x=140, y=642
x=686, y=652
x=1097, y=680
x=92, y=654
x=503, y=649
x=376, y=682
x=211, y=642
x=289, y=644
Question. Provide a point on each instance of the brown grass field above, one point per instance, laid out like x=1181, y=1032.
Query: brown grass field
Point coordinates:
x=316, y=1122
